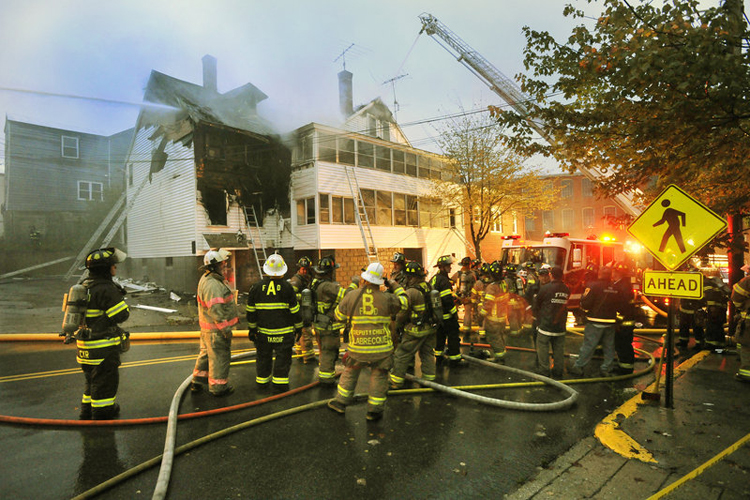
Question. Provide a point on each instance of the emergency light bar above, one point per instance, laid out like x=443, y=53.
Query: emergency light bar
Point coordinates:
x=556, y=235
x=512, y=237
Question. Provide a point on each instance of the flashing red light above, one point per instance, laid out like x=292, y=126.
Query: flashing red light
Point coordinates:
x=555, y=235
x=512, y=237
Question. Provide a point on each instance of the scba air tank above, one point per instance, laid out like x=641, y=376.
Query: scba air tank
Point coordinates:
x=76, y=304
x=437, y=305
x=306, y=305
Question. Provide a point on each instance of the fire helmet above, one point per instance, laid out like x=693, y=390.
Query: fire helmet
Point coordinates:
x=466, y=261
x=414, y=269
x=374, y=273
x=398, y=257
x=214, y=256
x=275, y=265
x=326, y=265
x=304, y=262
x=445, y=260
x=529, y=265
x=496, y=269
x=476, y=264
x=104, y=257
x=621, y=268
x=511, y=268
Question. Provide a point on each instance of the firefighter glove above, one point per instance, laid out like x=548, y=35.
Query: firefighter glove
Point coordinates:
x=252, y=334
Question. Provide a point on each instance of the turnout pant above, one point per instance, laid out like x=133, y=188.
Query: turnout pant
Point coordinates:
x=100, y=387
x=593, y=333
x=378, y=381
x=495, y=333
x=688, y=321
x=448, y=332
x=212, y=365
x=267, y=345
x=406, y=351
x=305, y=343
x=329, y=353
x=715, y=319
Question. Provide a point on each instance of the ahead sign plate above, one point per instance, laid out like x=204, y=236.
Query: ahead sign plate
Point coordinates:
x=678, y=284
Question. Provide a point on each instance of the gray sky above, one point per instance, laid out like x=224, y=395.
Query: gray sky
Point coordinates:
x=286, y=48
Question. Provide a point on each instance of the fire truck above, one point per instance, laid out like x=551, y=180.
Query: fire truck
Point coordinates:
x=572, y=255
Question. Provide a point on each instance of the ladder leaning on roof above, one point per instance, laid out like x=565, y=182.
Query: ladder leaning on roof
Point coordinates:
x=363, y=220
x=91, y=243
x=253, y=226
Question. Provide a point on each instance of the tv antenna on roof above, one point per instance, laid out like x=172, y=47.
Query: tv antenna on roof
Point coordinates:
x=392, y=81
x=343, y=55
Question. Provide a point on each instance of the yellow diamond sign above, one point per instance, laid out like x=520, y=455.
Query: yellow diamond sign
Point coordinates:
x=675, y=226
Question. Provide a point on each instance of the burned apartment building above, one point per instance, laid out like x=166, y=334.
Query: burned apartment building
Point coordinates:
x=204, y=170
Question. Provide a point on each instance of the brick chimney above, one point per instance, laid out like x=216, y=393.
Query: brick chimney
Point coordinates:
x=346, y=101
x=209, y=73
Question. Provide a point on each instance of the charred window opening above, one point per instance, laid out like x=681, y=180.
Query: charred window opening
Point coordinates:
x=158, y=157
x=215, y=202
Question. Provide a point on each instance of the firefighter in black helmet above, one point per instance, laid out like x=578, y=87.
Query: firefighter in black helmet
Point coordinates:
x=448, y=331
x=495, y=311
x=464, y=280
x=300, y=281
x=399, y=264
x=327, y=295
x=99, y=344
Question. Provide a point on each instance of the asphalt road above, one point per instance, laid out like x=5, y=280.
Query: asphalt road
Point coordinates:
x=428, y=445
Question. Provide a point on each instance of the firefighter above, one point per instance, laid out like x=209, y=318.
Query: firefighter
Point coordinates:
x=327, y=295
x=300, y=281
x=495, y=311
x=600, y=302
x=464, y=280
x=477, y=295
x=692, y=317
x=626, y=325
x=99, y=343
x=273, y=318
x=369, y=312
x=530, y=289
x=715, y=296
x=448, y=331
x=419, y=327
x=515, y=302
x=741, y=300
x=551, y=310
x=217, y=315
x=399, y=263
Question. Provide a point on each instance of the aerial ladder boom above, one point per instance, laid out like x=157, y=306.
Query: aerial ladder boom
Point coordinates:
x=507, y=90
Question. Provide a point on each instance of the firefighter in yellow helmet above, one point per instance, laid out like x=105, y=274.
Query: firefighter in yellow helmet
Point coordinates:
x=217, y=315
x=99, y=344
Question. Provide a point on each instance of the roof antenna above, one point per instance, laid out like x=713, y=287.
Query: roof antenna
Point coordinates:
x=392, y=81
x=343, y=55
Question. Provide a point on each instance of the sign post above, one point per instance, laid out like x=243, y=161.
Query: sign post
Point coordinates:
x=672, y=228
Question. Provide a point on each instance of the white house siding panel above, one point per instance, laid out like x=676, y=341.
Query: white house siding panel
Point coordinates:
x=333, y=180
x=303, y=185
x=161, y=222
x=235, y=224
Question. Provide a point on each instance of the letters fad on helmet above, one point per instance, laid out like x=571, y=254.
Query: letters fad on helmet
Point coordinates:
x=275, y=265
x=373, y=273
x=104, y=257
x=214, y=256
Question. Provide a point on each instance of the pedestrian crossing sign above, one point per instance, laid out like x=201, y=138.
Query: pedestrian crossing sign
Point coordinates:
x=675, y=226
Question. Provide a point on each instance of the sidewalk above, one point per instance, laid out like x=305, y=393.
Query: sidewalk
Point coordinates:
x=711, y=413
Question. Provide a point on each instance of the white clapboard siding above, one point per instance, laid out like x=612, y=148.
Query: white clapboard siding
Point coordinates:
x=332, y=179
x=161, y=222
x=303, y=184
x=235, y=224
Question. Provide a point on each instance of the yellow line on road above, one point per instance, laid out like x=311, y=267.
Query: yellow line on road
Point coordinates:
x=613, y=437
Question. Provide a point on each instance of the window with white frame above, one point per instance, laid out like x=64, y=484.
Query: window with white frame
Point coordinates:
x=325, y=210
x=566, y=188
x=306, y=211
x=69, y=147
x=568, y=219
x=610, y=211
x=90, y=191
x=588, y=217
x=497, y=222
x=515, y=223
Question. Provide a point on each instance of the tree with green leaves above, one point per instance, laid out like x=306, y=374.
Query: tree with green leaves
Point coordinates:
x=650, y=94
x=486, y=179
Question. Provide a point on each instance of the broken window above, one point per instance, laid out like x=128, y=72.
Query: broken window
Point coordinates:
x=215, y=203
x=326, y=147
x=368, y=199
x=399, y=209
x=306, y=211
x=337, y=210
x=412, y=214
x=385, y=209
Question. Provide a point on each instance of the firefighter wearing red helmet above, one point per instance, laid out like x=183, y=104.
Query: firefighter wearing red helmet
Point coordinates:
x=217, y=316
x=99, y=343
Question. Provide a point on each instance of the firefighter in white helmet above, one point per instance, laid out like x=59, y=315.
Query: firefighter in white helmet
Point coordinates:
x=370, y=346
x=99, y=343
x=273, y=318
x=217, y=315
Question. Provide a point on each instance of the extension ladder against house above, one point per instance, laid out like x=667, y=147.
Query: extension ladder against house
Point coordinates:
x=253, y=226
x=363, y=220
x=91, y=243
